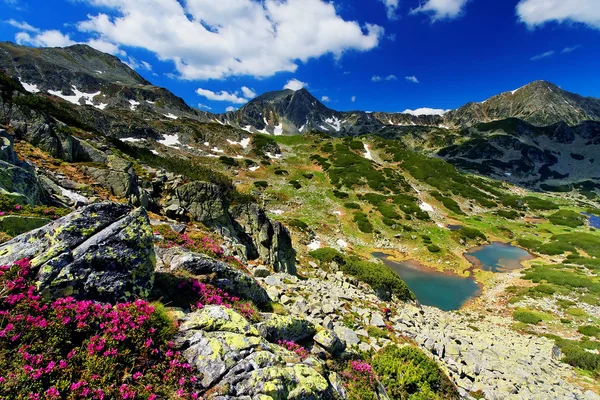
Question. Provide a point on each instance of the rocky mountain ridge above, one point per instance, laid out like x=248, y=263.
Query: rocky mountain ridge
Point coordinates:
x=84, y=76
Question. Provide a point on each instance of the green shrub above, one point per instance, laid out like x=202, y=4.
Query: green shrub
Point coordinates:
x=352, y=206
x=363, y=223
x=296, y=223
x=308, y=176
x=508, y=214
x=296, y=184
x=527, y=317
x=261, y=184
x=471, y=233
x=340, y=195
x=279, y=171
x=433, y=248
x=326, y=255
x=228, y=161
x=568, y=218
x=407, y=373
x=378, y=276
x=589, y=330
x=448, y=202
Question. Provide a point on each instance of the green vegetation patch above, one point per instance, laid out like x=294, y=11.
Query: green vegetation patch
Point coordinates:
x=568, y=218
x=407, y=373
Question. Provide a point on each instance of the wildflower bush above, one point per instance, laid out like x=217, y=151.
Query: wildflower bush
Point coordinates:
x=360, y=380
x=294, y=348
x=188, y=293
x=197, y=242
x=84, y=349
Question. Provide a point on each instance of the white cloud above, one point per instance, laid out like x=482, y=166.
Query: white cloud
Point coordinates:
x=221, y=96
x=230, y=109
x=441, y=9
x=146, y=65
x=325, y=99
x=539, y=12
x=295, y=84
x=248, y=93
x=353, y=98
x=377, y=78
x=391, y=6
x=412, y=79
x=543, y=55
x=426, y=111
x=201, y=106
x=208, y=39
x=107, y=47
x=570, y=49
x=22, y=25
x=52, y=38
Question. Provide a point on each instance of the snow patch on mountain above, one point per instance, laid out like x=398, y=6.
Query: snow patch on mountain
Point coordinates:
x=78, y=96
x=30, y=87
x=425, y=111
x=170, y=141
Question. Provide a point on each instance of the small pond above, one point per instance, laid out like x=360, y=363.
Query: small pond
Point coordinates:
x=446, y=291
x=594, y=220
x=497, y=257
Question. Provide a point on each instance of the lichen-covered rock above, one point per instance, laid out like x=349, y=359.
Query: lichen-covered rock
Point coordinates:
x=103, y=252
x=236, y=363
x=286, y=327
x=347, y=335
x=216, y=273
x=206, y=203
x=17, y=178
x=264, y=239
x=120, y=183
x=329, y=341
x=216, y=318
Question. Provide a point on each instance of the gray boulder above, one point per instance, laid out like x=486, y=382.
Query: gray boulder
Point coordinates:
x=206, y=203
x=286, y=327
x=102, y=252
x=329, y=341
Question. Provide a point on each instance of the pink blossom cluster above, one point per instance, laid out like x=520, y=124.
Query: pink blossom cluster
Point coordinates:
x=294, y=347
x=360, y=371
x=85, y=349
x=210, y=295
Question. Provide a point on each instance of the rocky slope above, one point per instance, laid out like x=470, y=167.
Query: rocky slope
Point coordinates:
x=555, y=156
x=539, y=103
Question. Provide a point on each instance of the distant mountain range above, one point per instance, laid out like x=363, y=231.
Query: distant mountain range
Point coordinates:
x=82, y=75
x=539, y=135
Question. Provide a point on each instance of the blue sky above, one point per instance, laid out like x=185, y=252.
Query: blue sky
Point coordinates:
x=374, y=55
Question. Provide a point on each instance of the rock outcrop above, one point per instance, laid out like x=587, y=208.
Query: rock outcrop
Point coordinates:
x=237, y=363
x=246, y=224
x=102, y=252
x=17, y=178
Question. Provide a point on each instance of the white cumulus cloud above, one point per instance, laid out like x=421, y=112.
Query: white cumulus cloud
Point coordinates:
x=295, y=84
x=325, y=99
x=221, y=96
x=426, y=111
x=353, y=98
x=51, y=38
x=441, y=9
x=412, y=79
x=201, y=106
x=539, y=12
x=230, y=109
x=207, y=39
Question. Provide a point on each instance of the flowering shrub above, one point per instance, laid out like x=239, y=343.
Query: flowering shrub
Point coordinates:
x=210, y=295
x=360, y=380
x=85, y=349
x=295, y=348
x=198, y=243
x=9, y=207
